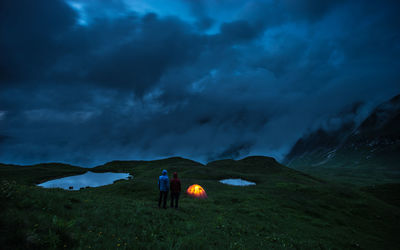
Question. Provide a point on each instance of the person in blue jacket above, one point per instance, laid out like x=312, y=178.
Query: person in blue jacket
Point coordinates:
x=163, y=186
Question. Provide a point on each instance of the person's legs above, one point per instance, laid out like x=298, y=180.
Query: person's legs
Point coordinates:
x=159, y=199
x=165, y=199
x=172, y=199
x=176, y=199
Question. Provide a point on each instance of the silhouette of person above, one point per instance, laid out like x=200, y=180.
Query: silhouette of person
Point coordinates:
x=163, y=186
x=175, y=190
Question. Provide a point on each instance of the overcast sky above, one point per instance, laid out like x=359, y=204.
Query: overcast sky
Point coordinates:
x=86, y=82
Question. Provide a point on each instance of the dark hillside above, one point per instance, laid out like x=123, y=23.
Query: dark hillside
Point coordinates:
x=38, y=173
x=250, y=164
x=370, y=153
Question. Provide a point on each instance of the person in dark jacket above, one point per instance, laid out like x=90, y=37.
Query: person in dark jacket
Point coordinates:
x=163, y=186
x=175, y=190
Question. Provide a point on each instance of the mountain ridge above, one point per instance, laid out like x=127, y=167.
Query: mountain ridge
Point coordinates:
x=374, y=145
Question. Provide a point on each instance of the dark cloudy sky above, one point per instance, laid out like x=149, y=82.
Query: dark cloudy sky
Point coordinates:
x=85, y=81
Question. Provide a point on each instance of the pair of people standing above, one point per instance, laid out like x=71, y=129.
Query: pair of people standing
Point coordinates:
x=164, y=186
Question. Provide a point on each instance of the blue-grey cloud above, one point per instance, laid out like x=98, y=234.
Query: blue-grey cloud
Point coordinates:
x=98, y=81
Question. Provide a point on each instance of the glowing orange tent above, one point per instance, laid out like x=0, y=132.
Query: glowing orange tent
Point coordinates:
x=196, y=191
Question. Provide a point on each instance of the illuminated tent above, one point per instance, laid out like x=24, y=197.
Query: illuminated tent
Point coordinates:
x=196, y=191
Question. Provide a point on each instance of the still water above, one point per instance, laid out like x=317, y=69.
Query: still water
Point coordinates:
x=237, y=182
x=88, y=179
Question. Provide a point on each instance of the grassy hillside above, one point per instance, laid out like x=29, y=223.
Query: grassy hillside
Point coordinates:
x=285, y=210
x=39, y=173
x=355, y=167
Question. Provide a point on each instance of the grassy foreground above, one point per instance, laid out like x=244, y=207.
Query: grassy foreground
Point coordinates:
x=285, y=210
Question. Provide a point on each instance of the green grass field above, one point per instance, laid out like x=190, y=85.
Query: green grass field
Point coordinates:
x=285, y=210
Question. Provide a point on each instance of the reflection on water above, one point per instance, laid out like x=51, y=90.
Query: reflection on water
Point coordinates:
x=89, y=179
x=237, y=182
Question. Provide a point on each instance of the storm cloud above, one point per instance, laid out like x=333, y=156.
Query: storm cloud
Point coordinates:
x=85, y=82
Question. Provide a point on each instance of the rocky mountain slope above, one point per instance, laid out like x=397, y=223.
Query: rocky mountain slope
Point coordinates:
x=372, y=148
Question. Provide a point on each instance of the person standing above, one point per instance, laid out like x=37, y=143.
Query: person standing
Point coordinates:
x=175, y=190
x=163, y=186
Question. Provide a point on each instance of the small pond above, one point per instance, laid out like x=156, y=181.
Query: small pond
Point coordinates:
x=88, y=179
x=237, y=182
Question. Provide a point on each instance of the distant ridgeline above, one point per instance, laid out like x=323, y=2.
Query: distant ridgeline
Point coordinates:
x=372, y=149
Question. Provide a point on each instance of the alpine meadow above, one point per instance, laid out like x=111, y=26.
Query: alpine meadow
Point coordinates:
x=199, y=124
